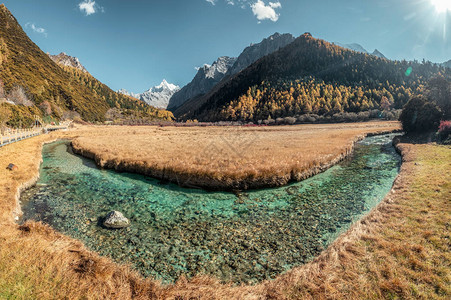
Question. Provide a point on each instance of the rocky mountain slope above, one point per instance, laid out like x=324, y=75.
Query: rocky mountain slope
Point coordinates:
x=68, y=61
x=206, y=78
x=157, y=96
x=54, y=89
x=378, y=54
x=209, y=76
x=256, y=51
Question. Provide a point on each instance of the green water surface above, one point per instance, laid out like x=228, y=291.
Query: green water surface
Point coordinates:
x=243, y=237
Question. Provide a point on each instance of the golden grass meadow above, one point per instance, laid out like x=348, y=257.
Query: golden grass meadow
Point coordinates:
x=400, y=250
x=225, y=157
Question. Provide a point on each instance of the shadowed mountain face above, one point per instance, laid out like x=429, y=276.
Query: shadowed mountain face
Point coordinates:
x=63, y=86
x=256, y=51
x=309, y=76
x=208, y=76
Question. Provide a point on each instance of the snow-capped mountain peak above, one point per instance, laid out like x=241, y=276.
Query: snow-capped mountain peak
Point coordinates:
x=157, y=96
x=164, y=86
x=127, y=93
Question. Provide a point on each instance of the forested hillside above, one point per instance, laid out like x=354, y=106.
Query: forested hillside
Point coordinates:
x=37, y=85
x=116, y=100
x=312, y=76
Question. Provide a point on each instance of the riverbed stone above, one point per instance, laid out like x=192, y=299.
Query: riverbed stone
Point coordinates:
x=116, y=220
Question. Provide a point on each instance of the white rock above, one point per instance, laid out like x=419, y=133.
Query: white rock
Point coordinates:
x=116, y=220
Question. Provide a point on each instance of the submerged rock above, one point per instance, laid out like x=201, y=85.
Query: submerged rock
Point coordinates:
x=116, y=220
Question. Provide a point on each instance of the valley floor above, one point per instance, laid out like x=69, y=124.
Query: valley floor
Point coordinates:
x=400, y=250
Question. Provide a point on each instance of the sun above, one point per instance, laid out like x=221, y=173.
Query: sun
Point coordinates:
x=442, y=5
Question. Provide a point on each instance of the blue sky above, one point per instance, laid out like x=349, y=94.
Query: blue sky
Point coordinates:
x=134, y=44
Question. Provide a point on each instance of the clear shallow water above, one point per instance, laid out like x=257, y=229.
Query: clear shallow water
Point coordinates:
x=244, y=237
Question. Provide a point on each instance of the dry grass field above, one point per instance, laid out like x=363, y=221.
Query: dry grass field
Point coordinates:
x=225, y=157
x=400, y=250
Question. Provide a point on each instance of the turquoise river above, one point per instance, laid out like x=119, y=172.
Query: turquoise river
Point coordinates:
x=241, y=237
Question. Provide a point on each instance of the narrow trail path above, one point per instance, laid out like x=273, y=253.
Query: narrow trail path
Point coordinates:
x=12, y=136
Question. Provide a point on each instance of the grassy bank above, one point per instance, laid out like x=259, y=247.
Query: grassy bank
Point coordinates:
x=225, y=158
x=400, y=250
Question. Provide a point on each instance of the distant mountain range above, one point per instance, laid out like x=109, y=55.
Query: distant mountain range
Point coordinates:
x=171, y=97
x=208, y=76
x=447, y=64
x=358, y=48
x=309, y=76
x=157, y=96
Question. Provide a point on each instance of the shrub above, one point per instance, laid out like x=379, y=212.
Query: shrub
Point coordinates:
x=5, y=114
x=46, y=108
x=375, y=113
x=71, y=115
x=444, y=130
x=419, y=115
x=364, y=115
x=268, y=121
x=308, y=118
x=439, y=92
x=22, y=116
x=19, y=96
x=290, y=120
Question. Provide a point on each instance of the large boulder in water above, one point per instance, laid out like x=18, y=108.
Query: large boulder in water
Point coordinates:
x=116, y=220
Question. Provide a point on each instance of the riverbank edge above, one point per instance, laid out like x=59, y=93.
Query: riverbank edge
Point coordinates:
x=207, y=182
x=17, y=211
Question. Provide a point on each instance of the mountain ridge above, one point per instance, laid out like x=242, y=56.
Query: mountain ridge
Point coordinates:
x=206, y=77
x=299, y=74
x=203, y=82
x=256, y=51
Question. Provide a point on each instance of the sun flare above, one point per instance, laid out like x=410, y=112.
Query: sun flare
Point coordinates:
x=442, y=5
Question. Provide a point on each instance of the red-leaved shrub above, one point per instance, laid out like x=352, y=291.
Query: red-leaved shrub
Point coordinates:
x=444, y=126
x=444, y=130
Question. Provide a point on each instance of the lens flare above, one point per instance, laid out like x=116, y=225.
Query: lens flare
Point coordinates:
x=442, y=5
x=409, y=71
